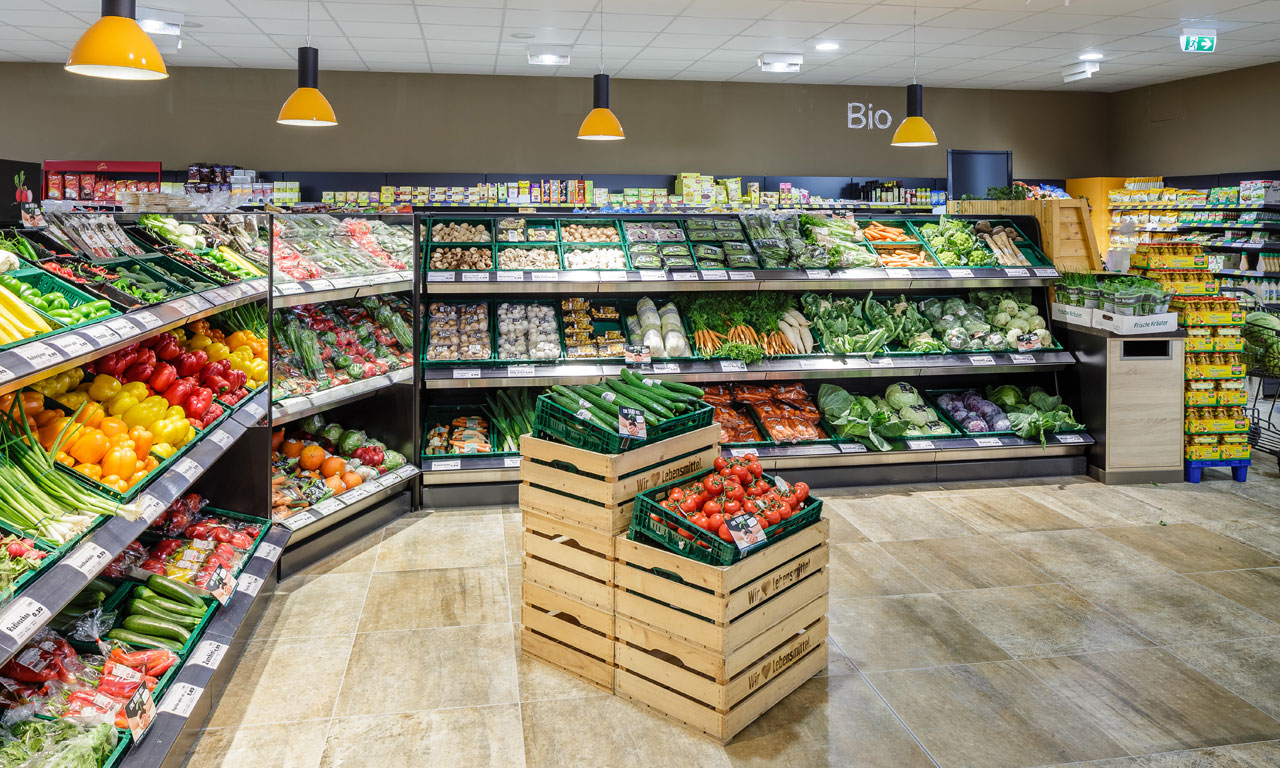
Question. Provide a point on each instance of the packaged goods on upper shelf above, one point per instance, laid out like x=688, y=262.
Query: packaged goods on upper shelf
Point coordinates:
x=319, y=346
x=528, y=258
x=516, y=230
x=98, y=236
x=458, y=331
x=527, y=331
x=318, y=459
x=473, y=257
x=310, y=246
x=661, y=330
x=591, y=232
x=460, y=232
x=651, y=231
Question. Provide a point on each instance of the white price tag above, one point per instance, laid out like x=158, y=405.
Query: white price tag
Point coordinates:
x=1074, y=439
x=742, y=275
x=960, y=272
x=653, y=274
x=446, y=465
x=255, y=411
x=881, y=362
x=122, y=327
x=1023, y=359
x=222, y=438
x=731, y=366
x=22, y=618
x=608, y=275
x=267, y=551
x=38, y=354
x=101, y=334
x=1046, y=273
x=89, y=559
x=510, y=276
x=545, y=276
x=714, y=274
x=475, y=277
x=208, y=654
x=920, y=445
x=146, y=319
x=287, y=289
x=1011, y=272
x=511, y=462
x=897, y=273
x=981, y=360
x=327, y=507
x=809, y=365
x=408, y=471
x=440, y=277
x=72, y=344
x=853, y=448
x=151, y=507
x=988, y=442
x=521, y=370
x=180, y=699
x=666, y=367
x=817, y=273
x=466, y=373
x=294, y=522
x=740, y=452
x=348, y=282
x=188, y=468
x=5, y=374
x=219, y=296
x=404, y=275
x=684, y=275
x=248, y=584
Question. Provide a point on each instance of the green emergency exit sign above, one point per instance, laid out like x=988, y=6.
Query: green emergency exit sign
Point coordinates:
x=1199, y=43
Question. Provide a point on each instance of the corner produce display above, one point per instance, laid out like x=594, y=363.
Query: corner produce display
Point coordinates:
x=319, y=346
x=321, y=459
x=309, y=246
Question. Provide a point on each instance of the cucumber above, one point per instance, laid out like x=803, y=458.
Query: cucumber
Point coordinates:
x=680, y=386
x=145, y=625
x=597, y=401
x=165, y=604
x=609, y=396
x=641, y=394
x=174, y=590
x=572, y=406
x=101, y=585
x=145, y=641
x=140, y=607
x=659, y=387
x=88, y=598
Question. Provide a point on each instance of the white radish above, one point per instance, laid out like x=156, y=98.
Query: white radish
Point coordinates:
x=792, y=333
x=808, y=338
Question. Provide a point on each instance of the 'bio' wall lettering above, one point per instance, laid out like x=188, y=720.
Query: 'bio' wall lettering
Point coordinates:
x=867, y=116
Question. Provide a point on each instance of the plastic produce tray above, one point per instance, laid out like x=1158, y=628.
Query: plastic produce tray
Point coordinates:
x=45, y=282
x=443, y=414
x=553, y=421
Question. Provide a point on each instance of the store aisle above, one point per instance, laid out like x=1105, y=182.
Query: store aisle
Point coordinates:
x=1008, y=624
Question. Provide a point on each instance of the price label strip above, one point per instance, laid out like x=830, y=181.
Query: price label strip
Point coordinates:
x=122, y=327
x=511, y=462
x=510, y=276
x=300, y=520
x=440, y=277
x=268, y=551
x=222, y=437
x=742, y=275
x=960, y=272
x=22, y=618
x=146, y=319
x=988, y=442
x=180, y=699
x=38, y=354
x=981, y=360
x=89, y=559
x=521, y=371
x=475, y=277
x=466, y=373
x=1070, y=439
x=101, y=334
x=151, y=507
x=731, y=366
x=683, y=275
x=208, y=654
x=714, y=274
x=853, y=448
x=446, y=465
x=188, y=468
x=1023, y=359
x=72, y=344
x=545, y=277
x=287, y=289
x=920, y=445
x=897, y=273
x=250, y=584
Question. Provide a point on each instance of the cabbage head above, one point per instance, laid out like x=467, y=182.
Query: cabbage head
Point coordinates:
x=1006, y=396
x=902, y=395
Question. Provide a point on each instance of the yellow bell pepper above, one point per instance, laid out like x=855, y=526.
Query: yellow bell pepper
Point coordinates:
x=217, y=352
x=257, y=370
x=180, y=334
x=144, y=413
x=122, y=402
x=242, y=352
x=175, y=412
x=77, y=374
x=199, y=341
x=104, y=387
x=72, y=400
x=188, y=435
x=240, y=364
x=46, y=386
x=168, y=432
x=163, y=449
x=136, y=388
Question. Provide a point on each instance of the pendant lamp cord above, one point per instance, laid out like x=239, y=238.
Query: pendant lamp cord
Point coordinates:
x=602, y=37
x=308, y=23
x=915, y=57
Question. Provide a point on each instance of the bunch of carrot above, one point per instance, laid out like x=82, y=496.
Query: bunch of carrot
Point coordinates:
x=881, y=233
x=777, y=343
x=708, y=341
x=902, y=257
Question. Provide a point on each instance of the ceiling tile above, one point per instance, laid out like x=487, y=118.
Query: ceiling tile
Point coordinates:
x=1258, y=33
x=472, y=17
x=707, y=26
x=1053, y=22
x=383, y=29
x=555, y=5
x=1259, y=12
x=733, y=9
x=695, y=43
x=1121, y=25
x=936, y=34
x=553, y=19
x=634, y=22
x=786, y=28
x=1140, y=43
x=611, y=38
x=540, y=35
x=669, y=7
x=477, y=34
x=976, y=18
x=798, y=10
x=468, y=46
x=400, y=14
x=1190, y=9
x=326, y=44
x=378, y=45
x=896, y=14
x=744, y=43
x=850, y=31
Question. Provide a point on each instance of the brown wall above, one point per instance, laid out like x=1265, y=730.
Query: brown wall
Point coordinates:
x=1220, y=123
x=416, y=122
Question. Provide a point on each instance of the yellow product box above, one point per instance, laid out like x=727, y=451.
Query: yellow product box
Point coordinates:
x=1228, y=343
x=1232, y=384
x=1201, y=385
x=327, y=196
x=1197, y=397
x=1232, y=396
x=1243, y=437
x=1211, y=317
x=769, y=199
x=721, y=196
x=733, y=189
x=362, y=197
x=1199, y=344
x=388, y=193
x=1235, y=451
x=617, y=198
x=753, y=193
x=1204, y=452
x=1221, y=371
x=1158, y=260
x=1216, y=426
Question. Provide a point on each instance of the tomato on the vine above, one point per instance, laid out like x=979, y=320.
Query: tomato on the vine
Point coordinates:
x=736, y=493
x=750, y=507
x=756, y=469
x=714, y=484
x=719, y=463
x=689, y=506
x=724, y=534
x=714, y=522
x=742, y=473
x=732, y=507
x=802, y=490
x=699, y=520
x=711, y=508
x=677, y=494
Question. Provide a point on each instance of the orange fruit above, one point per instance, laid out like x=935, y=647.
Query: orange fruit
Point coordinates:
x=351, y=479
x=311, y=457
x=333, y=466
x=292, y=448
x=335, y=484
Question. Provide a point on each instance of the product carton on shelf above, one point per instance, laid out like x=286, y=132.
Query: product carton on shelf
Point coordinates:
x=1124, y=325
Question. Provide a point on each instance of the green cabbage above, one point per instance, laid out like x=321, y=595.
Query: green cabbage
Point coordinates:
x=901, y=395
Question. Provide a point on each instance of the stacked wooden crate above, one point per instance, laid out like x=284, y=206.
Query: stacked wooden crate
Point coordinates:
x=574, y=503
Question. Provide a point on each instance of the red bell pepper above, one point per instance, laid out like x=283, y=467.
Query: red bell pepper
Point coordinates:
x=213, y=414
x=217, y=383
x=111, y=365
x=179, y=391
x=139, y=371
x=237, y=379
x=191, y=363
x=197, y=402
x=220, y=369
x=163, y=377
x=147, y=356
x=167, y=348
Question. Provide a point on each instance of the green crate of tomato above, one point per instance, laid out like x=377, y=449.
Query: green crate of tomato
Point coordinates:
x=670, y=515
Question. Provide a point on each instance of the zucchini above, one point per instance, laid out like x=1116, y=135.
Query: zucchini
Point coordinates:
x=139, y=607
x=144, y=625
x=165, y=604
x=174, y=590
x=87, y=598
x=102, y=585
x=145, y=641
x=641, y=394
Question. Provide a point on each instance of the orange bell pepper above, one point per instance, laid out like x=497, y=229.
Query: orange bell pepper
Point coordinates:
x=89, y=447
x=137, y=478
x=89, y=470
x=65, y=459
x=150, y=463
x=142, y=440
x=119, y=461
x=32, y=403
x=92, y=414
x=112, y=426
x=45, y=417
x=237, y=339
x=115, y=482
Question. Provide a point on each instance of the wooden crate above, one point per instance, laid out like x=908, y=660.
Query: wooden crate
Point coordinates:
x=1066, y=227
x=574, y=560
x=714, y=647
x=597, y=490
x=573, y=637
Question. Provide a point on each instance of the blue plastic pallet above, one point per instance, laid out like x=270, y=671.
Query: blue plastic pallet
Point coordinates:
x=1239, y=468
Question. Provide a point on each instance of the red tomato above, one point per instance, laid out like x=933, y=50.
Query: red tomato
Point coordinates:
x=671, y=505
x=749, y=457
x=713, y=484
x=750, y=507
x=714, y=522
x=699, y=520
x=726, y=472
x=724, y=534
x=802, y=490
x=711, y=508
x=756, y=469
x=689, y=507
x=677, y=494
x=719, y=463
x=742, y=473
x=655, y=518
x=732, y=507
x=685, y=533
x=786, y=511
x=773, y=515
x=736, y=493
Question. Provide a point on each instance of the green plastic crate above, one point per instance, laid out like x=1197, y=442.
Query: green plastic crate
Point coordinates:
x=555, y=422
x=701, y=545
x=187, y=647
x=47, y=282
x=553, y=247
x=598, y=223
x=175, y=267
x=429, y=238
x=443, y=414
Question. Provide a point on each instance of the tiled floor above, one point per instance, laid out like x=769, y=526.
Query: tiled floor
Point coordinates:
x=1041, y=623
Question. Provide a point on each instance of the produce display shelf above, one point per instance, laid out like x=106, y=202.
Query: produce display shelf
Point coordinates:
x=650, y=280
x=575, y=372
x=857, y=205
x=298, y=407
x=335, y=509
x=289, y=294
x=36, y=359
x=44, y=597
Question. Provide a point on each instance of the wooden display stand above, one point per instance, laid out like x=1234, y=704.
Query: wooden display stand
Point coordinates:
x=573, y=504
x=714, y=647
x=1066, y=228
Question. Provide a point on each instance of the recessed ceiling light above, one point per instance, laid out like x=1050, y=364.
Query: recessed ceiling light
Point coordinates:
x=1091, y=56
x=1080, y=71
x=828, y=46
x=522, y=35
x=780, y=62
x=549, y=55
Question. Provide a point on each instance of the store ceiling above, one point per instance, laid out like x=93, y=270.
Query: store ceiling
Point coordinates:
x=1017, y=44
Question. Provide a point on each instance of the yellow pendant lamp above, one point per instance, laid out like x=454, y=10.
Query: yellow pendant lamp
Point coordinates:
x=307, y=105
x=116, y=47
x=600, y=123
x=915, y=131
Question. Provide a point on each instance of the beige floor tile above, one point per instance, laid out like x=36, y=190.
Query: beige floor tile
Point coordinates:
x=1045, y=620
x=1263, y=754
x=357, y=557
x=906, y=631
x=1263, y=535
x=587, y=733
x=278, y=681
x=469, y=514
x=481, y=737
x=540, y=681
x=424, y=669
x=1080, y=555
x=1093, y=504
x=1258, y=489
x=969, y=562
x=303, y=606
x=901, y=518
x=515, y=575
x=1001, y=510
x=837, y=721
x=295, y=745
x=1248, y=668
x=512, y=539
x=442, y=597
x=1185, y=503
x=1175, y=609
x=1148, y=701
x=991, y=716
x=843, y=531
x=837, y=662
x=865, y=570
x=1115, y=762
x=1257, y=590
x=449, y=544
x=1188, y=548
